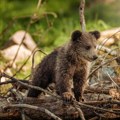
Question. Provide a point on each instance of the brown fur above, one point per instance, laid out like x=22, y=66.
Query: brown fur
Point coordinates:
x=65, y=64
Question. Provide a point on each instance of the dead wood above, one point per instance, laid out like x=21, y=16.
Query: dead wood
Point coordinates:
x=98, y=67
x=36, y=108
x=52, y=107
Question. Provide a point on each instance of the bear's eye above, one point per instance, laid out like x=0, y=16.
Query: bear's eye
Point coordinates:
x=88, y=47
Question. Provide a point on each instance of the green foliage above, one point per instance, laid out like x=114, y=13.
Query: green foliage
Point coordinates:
x=63, y=16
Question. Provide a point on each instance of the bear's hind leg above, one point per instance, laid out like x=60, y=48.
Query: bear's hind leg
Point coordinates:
x=42, y=82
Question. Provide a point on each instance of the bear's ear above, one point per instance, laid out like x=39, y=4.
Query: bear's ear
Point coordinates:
x=96, y=34
x=76, y=35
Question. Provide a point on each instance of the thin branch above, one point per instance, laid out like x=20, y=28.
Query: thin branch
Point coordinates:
x=33, y=56
x=110, y=60
x=39, y=3
x=11, y=81
x=28, y=26
x=29, y=86
x=102, y=102
x=27, y=60
x=96, y=90
x=113, y=80
x=93, y=107
x=6, y=82
x=80, y=112
x=23, y=115
x=81, y=14
x=107, y=50
x=52, y=115
x=110, y=53
x=24, y=62
x=56, y=96
x=20, y=46
x=106, y=39
x=94, y=118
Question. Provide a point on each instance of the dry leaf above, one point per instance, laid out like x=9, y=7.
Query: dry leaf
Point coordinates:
x=115, y=94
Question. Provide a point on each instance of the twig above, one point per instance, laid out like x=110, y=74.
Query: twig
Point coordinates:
x=100, y=115
x=19, y=46
x=94, y=118
x=113, y=81
x=6, y=82
x=96, y=90
x=39, y=3
x=17, y=94
x=19, y=97
x=102, y=102
x=95, y=108
x=56, y=96
x=105, y=40
x=24, y=62
x=31, y=100
x=28, y=26
x=11, y=81
x=27, y=60
x=80, y=112
x=35, y=16
x=52, y=115
x=27, y=117
x=23, y=115
x=105, y=49
x=33, y=56
x=109, y=53
x=81, y=14
x=29, y=86
x=110, y=60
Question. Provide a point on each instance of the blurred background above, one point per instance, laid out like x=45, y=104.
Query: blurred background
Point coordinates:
x=51, y=24
x=55, y=19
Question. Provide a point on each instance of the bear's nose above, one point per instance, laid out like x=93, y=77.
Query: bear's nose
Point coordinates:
x=95, y=57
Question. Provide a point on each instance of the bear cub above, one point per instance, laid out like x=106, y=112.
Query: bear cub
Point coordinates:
x=67, y=63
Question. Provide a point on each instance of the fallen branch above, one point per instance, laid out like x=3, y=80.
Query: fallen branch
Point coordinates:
x=96, y=90
x=87, y=90
x=95, y=108
x=29, y=86
x=102, y=102
x=80, y=112
x=55, y=106
x=11, y=81
x=52, y=115
x=57, y=96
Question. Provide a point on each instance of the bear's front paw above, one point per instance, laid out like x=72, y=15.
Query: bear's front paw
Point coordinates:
x=67, y=97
